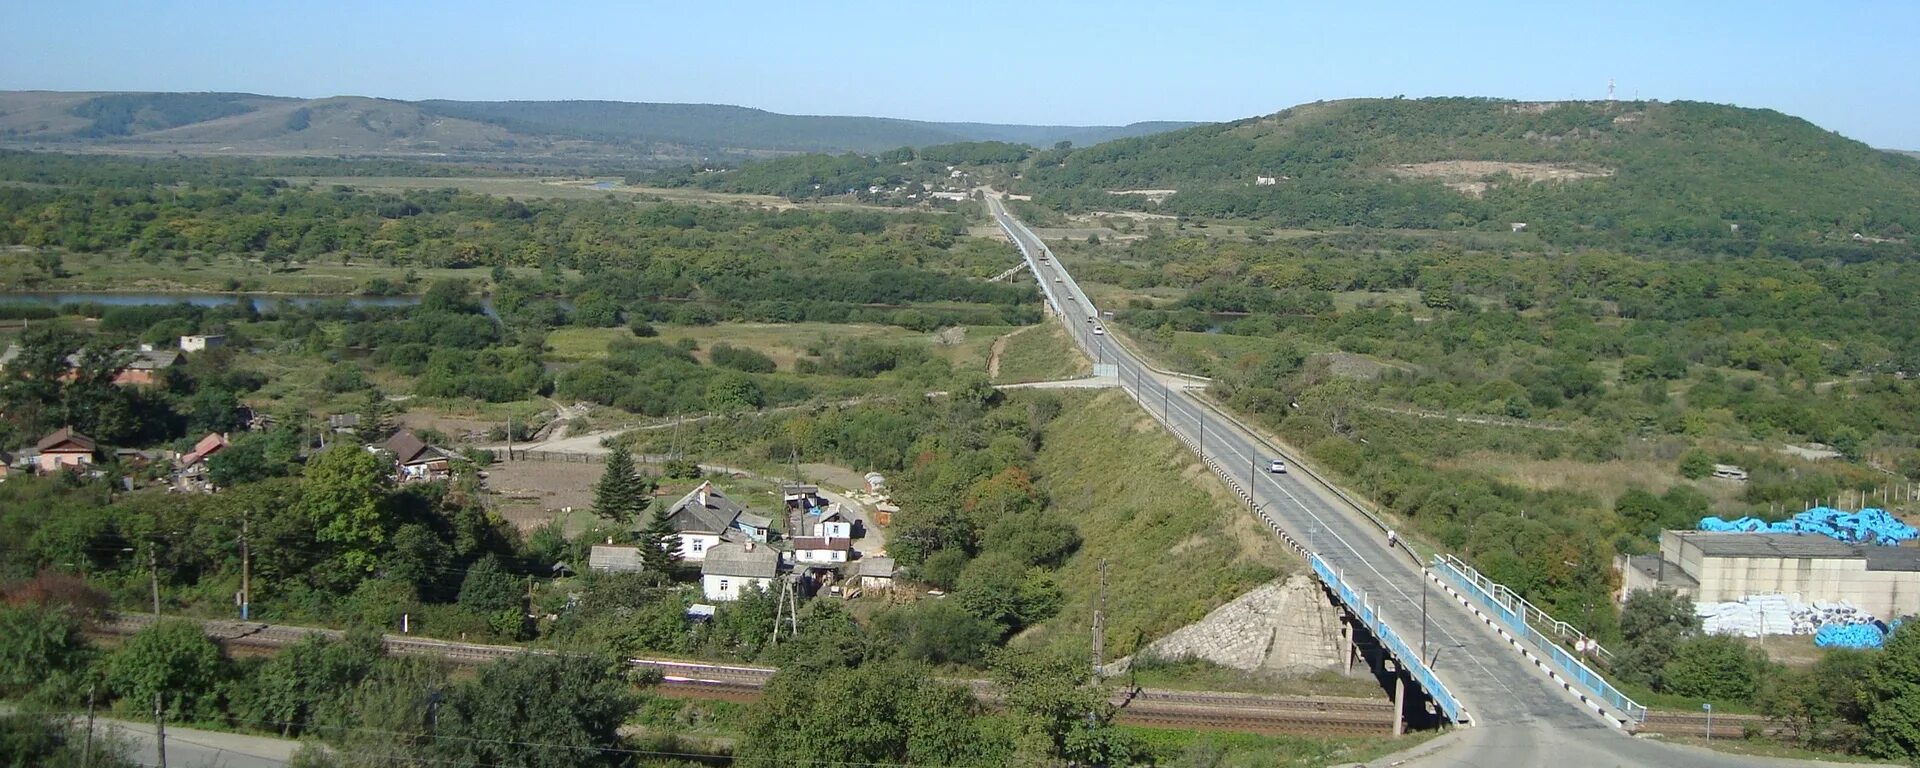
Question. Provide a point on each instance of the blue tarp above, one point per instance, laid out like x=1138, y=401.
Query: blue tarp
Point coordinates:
x=1849, y=636
x=1868, y=526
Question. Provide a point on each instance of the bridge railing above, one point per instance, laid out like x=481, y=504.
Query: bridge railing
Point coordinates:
x=1515, y=612
x=1415, y=665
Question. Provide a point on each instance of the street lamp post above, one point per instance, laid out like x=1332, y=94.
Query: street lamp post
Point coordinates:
x=1709, y=708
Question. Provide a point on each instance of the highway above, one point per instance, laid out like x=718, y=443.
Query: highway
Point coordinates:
x=1519, y=716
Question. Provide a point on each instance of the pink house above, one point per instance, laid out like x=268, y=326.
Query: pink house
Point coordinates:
x=64, y=449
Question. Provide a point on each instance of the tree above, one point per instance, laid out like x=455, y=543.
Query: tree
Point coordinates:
x=291, y=687
x=1048, y=690
x=174, y=661
x=1714, y=667
x=1653, y=623
x=488, y=588
x=1893, y=696
x=1695, y=464
x=571, y=706
x=41, y=651
x=660, y=545
x=621, y=496
x=342, y=496
x=883, y=713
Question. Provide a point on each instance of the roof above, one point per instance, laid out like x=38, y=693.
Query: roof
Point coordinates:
x=408, y=448
x=881, y=567
x=797, y=489
x=704, y=510
x=12, y=351
x=153, y=360
x=343, y=420
x=214, y=441
x=65, y=436
x=822, y=542
x=729, y=559
x=752, y=520
x=615, y=557
x=1800, y=545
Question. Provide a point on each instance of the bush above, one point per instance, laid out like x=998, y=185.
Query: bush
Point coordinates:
x=741, y=359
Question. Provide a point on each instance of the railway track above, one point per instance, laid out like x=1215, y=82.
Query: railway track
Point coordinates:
x=1725, y=726
x=1251, y=713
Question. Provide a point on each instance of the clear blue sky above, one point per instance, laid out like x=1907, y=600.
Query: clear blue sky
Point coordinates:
x=1848, y=66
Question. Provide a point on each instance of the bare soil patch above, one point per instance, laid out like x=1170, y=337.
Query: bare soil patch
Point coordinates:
x=530, y=492
x=1470, y=177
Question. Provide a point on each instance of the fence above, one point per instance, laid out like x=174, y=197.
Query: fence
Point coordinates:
x=1405, y=653
x=500, y=454
x=1520, y=617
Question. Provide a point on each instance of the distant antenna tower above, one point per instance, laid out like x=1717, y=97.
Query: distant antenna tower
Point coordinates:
x=1609, y=89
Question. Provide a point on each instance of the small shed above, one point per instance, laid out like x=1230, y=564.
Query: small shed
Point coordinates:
x=202, y=342
x=884, y=511
x=876, y=574
x=876, y=482
x=615, y=558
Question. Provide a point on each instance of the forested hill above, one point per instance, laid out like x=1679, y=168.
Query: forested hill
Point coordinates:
x=1572, y=171
x=239, y=123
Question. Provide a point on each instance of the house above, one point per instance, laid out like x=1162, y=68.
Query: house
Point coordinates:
x=146, y=367
x=884, y=511
x=800, y=498
x=343, y=422
x=705, y=516
x=64, y=449
x=193, y=463
x=730, y=568
x=202, y=343
x=615, y=558
x=1518, y=226
x=876, y=574
x=830, y=522
x=820, y=549
x=417, y=460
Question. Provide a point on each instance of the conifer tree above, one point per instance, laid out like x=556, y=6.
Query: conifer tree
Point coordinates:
x=621, y=495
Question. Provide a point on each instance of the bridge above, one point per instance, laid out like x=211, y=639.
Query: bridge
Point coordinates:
x=1451, y=632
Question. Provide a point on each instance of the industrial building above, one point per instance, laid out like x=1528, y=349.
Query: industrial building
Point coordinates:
x=1711, y=566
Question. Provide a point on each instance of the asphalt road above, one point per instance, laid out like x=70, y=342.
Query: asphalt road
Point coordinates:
x=1520, y=716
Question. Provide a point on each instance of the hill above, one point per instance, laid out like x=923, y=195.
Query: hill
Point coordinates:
x=238, y=123
x=1573, y=171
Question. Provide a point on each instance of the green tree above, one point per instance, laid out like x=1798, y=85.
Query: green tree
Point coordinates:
x=1695, y=464
x=885, y=713
x=342, y=496
x=1714, y=667
x=1653, y=623
x=1048, y=691
x=660, y=544
x=1893, y=697
x=488, y=588
x=572, y=706
x=293, y=685
x=621, y=496
x=172, y=660
x=42, y=652
x=733, y=392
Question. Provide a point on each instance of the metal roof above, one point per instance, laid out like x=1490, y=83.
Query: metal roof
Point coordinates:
x=729, y=559
x=1811, y=546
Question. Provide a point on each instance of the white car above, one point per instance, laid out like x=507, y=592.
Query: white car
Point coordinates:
x=1098, y=331
x=1056, y=279
x=1277, y=467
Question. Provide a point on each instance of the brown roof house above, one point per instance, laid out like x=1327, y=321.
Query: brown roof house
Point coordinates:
x=193, y=464
x=65, y=449
x=417, y=460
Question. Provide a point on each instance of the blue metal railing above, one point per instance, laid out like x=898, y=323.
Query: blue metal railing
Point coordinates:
x=1399, y=648
x=1512, y=611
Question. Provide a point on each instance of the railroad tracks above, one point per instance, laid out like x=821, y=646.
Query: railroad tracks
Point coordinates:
x=1199, y=710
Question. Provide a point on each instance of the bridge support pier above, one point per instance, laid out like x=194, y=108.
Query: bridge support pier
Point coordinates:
x=1346, y=631
x=1399, y=704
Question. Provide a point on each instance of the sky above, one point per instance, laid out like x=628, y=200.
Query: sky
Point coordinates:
x=1847, y=66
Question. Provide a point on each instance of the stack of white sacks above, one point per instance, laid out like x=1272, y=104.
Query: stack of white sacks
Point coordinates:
x=1760, y=615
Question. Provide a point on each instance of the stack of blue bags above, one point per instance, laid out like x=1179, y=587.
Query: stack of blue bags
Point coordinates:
x=1850, y=636
x=1868, y=526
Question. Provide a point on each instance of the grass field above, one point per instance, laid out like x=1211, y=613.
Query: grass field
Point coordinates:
x=1038, y=353
x=1178, y=542
x=966, y=347
x=1246, y=750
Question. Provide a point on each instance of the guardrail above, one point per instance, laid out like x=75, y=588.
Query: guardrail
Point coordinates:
x=1399, y=648
x=1513, y=611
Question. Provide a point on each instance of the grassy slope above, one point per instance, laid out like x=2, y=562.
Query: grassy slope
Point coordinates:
x=1177, y=542
x=1040, y=353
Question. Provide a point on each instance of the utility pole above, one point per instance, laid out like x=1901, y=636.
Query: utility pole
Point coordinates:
x=160, y=729
x=86, y=753
x=246, y=570
x=1100, y=625
x=153, y=577
x=509, y=437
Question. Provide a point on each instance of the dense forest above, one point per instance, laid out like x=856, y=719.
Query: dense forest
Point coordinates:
x=1706, y=175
